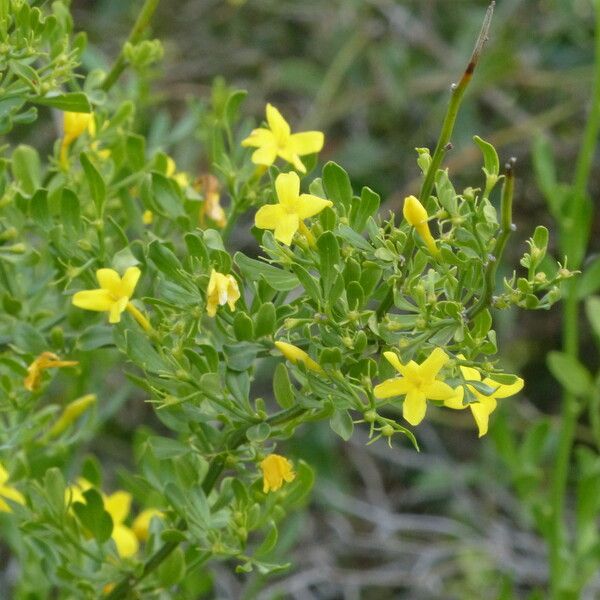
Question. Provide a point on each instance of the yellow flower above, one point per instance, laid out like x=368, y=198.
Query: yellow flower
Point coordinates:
x=276, y=469
x=46, y=360
x=486, y=405
x=418, y=384
x=222, y=289
x=71, y=413
x=113, y=295
x=141, y=524
x=181, y=178
x=287, y=217
x=74, y=124
x=212, y=201
x=117, y=505
x=295, y=355
x=147, y=217
x=416, y=215
x=278, y=140
x=8, y=492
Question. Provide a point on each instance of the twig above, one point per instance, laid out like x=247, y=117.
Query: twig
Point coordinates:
x=506, y=228
x=458, y=91
x=135, y=35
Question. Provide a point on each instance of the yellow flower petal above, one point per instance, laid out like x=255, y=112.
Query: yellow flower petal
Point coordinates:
x=265, y=155
x=456, y=401
x=141, y=524
x=114, y=315
x=125, y=540
x=438, y=390
x=481, y=414
x=98, y=300
x=276, y=469
x=504, y=391
x=277, y=124
x=310, y=205
x=287, y=186
x=3, y=475
x=414, y=407
x=471, y=374
x=129, y=281
x=307, y=142
x=286, y=228
x=269, y=216
x=391, y=387
x=259, y=137
x=109, y=280
x=118, y=505
x=433, y=363
x=393, y=359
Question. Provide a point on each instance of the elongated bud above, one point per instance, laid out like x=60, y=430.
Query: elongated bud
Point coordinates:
x=71, y=413
x=295, y=355
x=416, y=215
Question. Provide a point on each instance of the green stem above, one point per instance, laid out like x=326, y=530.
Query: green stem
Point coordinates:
x=216, y=466
x=458, y=91
x=506, y=228
x=558, y=542
x=135, y=35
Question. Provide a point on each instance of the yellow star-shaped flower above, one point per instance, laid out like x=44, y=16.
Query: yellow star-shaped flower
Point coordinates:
x=279, y=141
x=276, y=469
x=418, y=384
x=286, y=217
x=113, y=296
x=486, y=405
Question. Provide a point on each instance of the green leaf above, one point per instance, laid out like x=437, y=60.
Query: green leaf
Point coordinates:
x=491, y=163
x=71, y=102
x=570, y=373
x=95, y=182
x=26, y=74
x=592, y=309
x=232, y=106
x=309, y=283
x=589, y=281
x=167, y=262
x=363, y=208
x=93, y=516
x=167, y=195
x=241, y=356
x=164, y=448
x=54, y=484
x=341, y=423
x=26, y=169
x=142, y=353
x=337, y=185
x=172, y=570
x=259, y=432
x=243, y=326
x=269, y=542
x=70, y=214
x=329, y=258
x=282, y=387
x=264, y=320
x=40, y=212
x=28, y=338
x=254, y=270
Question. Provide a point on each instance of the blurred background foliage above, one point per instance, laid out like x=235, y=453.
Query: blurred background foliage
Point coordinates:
x=375, y=76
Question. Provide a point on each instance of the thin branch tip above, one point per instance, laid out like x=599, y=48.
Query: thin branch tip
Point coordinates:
x=482, y=38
